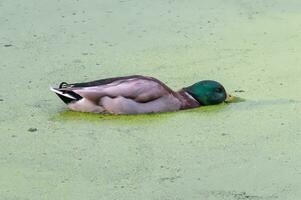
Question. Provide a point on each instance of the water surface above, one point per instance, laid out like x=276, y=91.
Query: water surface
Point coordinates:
x=248, y=150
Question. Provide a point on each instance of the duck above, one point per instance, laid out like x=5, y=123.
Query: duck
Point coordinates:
x=137, y=94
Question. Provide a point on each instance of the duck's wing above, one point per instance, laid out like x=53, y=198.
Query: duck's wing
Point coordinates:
x=106, y=81
x=140, y=89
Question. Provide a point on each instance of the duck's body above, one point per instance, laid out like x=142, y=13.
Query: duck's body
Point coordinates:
x=125, y=95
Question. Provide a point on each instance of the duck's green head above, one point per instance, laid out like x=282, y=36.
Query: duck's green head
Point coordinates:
x=207, y=92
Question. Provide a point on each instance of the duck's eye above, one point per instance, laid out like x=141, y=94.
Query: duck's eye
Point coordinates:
x=219, y=90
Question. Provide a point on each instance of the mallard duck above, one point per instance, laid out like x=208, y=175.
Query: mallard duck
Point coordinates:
x=137, y=94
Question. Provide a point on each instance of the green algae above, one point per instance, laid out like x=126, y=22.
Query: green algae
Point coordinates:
x=245, y=150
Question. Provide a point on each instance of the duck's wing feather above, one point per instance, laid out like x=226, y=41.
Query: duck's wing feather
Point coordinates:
x=105, y=81
x=137, y=88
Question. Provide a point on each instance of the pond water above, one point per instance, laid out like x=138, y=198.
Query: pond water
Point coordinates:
x=247, y=150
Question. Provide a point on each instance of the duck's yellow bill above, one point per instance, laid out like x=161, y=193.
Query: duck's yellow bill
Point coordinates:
x=233, y=99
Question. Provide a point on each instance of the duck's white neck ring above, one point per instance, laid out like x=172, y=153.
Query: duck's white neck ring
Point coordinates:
x=191, y=97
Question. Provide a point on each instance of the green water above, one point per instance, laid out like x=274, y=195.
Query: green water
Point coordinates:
x=248, y=150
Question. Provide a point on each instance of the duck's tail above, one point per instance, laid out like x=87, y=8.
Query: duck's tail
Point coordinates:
x=67, y=96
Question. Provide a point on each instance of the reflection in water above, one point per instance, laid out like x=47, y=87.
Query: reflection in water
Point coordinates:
x=94, y=117
x=140, y=118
